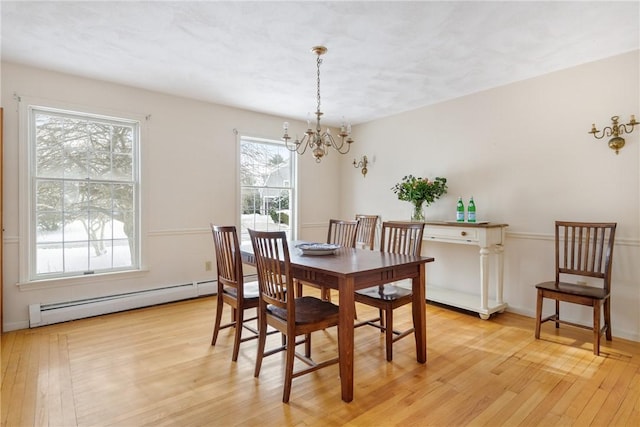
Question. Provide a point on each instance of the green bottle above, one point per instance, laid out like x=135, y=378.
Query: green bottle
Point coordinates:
x=471, y=211
x=460, y=210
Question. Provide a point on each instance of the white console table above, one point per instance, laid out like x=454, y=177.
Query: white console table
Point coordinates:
x=490, y=238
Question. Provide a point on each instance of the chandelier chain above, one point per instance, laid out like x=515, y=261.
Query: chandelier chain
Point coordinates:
x=318, y=94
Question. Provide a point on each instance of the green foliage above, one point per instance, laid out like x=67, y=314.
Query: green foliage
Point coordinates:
x=251, y=202
x=420, y=190
x=279, y=217
x=276, y=207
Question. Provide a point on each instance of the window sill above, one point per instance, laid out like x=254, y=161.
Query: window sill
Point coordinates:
x=61, y=282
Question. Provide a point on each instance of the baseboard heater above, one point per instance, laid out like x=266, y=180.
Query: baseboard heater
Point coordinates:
x=47, y=314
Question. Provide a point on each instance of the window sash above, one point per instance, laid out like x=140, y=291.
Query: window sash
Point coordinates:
x=84, y=194
x=266, y=187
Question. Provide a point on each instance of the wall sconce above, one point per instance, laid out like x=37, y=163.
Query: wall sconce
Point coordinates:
x=615, y=130
x=362, y=164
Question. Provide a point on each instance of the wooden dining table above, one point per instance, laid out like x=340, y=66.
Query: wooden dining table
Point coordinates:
x=348, y=270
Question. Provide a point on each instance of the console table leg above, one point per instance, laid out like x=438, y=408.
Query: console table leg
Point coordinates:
x=500, y=273
x=484, y=277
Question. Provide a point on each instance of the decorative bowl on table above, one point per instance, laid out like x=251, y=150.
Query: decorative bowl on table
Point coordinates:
x=318, y=248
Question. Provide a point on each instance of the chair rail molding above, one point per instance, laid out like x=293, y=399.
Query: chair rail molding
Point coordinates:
x=620, y=241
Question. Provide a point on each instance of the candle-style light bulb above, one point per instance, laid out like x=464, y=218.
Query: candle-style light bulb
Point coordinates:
x=285, y=126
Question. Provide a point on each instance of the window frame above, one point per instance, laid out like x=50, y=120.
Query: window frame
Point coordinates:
x=27, y=240
x=292, y=185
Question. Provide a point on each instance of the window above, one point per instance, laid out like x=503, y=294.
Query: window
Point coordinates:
x=83, y=197
x=267, y=170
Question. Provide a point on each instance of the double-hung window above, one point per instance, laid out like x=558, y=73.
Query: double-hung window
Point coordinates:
x=267, y=187
x=83, y=193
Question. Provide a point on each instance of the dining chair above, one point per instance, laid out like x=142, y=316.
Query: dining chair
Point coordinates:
x=280, y=309
x=232, y=289
x=398, y=238
x=584, y=252
x=340, y=232
x=366, y=236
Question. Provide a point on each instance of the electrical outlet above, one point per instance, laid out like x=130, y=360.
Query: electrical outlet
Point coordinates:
x=207, y=266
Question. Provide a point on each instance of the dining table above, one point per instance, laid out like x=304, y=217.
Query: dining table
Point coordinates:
x=348, y=270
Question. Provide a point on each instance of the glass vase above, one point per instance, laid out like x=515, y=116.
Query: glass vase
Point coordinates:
x=417, y=214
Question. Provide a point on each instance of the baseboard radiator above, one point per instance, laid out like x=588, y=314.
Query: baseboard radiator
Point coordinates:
x=47, y=314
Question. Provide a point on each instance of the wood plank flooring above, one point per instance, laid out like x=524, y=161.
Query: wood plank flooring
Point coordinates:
x=155, y=367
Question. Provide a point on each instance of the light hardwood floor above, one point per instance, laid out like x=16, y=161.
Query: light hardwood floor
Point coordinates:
x=155, y=367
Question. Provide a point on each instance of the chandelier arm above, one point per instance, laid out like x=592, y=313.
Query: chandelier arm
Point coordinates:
x=304, y=143
x=338, y=147
x=295, y=146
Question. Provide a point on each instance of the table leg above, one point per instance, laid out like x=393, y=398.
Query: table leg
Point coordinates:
x=484, y=278
x=499, y=249
x=419, y=314
x=345, y=337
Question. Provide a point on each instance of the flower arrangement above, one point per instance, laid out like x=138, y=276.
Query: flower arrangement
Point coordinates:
x=420, y=191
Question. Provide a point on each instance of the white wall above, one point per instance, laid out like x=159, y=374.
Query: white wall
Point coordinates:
x=523, y=152
x=189, y=170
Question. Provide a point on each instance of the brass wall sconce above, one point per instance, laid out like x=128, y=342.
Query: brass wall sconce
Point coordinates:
x=362, y=164
x=615, y=130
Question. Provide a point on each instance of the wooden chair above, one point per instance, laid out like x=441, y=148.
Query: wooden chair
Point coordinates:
x=280, y=309
x=232, y=289
x=399, y=238
x=366, y=237
x=341, y=233
x=583, y=250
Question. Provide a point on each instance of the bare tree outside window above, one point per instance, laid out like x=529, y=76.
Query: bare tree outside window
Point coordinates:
x=266, y=186
x=84, y=193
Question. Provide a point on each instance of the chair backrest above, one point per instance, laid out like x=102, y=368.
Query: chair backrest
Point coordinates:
x=228, y=262
x=274, y=269
x=402, y=237
x=585, y=249
x=366, y=231
x=342, y=232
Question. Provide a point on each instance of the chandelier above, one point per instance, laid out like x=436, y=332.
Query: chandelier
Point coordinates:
x=317, y=141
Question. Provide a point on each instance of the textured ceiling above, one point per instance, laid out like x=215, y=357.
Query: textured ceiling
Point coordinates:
x=384, y=57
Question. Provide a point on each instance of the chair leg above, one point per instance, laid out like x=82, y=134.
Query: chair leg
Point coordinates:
x=262, y=338
x=288, y=376
x=237, y=335
x=607, y=318
x=382, y=322
x=307, y=345
x=596, y=328
x=389, y=332
x=326, y=294
x=538, y=313
x=557, y=314
x=216, y=327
